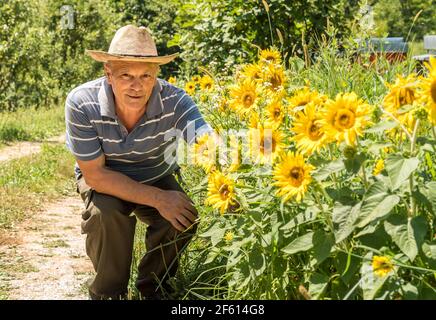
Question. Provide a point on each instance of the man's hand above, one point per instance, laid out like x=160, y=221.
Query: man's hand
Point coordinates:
x=177, y=208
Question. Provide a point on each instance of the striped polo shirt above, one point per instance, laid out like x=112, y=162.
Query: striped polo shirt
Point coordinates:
x=147, y=153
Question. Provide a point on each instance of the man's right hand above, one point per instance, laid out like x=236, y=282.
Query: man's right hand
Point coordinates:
x=177, y=208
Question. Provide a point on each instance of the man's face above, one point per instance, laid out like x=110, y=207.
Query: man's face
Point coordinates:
x=132, y=82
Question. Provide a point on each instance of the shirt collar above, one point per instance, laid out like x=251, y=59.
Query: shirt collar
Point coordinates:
x=107, y=101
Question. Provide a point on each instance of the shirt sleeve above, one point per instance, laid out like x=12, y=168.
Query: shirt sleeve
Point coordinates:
x=81, y=137
x=189, y=123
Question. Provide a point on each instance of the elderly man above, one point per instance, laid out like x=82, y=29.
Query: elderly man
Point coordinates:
x=121, y=130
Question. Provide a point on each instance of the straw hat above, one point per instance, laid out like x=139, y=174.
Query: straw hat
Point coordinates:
x=131, y=43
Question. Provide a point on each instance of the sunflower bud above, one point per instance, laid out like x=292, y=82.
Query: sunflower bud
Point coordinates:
x=350, y=152
x=420, y=113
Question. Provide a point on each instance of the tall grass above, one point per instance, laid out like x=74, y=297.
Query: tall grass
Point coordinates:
x=31, y=124
x=27, y=183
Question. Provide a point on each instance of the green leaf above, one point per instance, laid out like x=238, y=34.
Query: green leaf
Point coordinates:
x=300, y=218
x=299, y=244
x=410, y=291
x=332, y=167
x=370, y=283
x=322, y=245
x=431, y=195
x=374, y=210
x=408, y=234
x=317, y=284
x=344, y=218
x=399, y=169
x=215, y=233
x=353, y=165
x=256, y=261
x=382, y=126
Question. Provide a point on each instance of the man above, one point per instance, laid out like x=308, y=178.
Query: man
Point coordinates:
x=121, y=130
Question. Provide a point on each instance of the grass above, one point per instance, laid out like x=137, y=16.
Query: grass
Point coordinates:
x=28, y=183
x=31, y=124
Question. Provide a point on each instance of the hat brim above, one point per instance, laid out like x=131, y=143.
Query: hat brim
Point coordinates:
x=102, y=56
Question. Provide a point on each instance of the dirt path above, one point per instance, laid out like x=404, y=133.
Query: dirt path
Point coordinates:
x=44, y=257
x=25, y=148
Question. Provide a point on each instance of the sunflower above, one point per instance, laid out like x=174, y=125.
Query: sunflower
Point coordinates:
x=271, y=56
x=265, y=143
x=254, y=120
x=243, y=96
x=204, y=152
x=229, y=236
x=252, y=71
x=303, y=96
x=428, y=90
x=206, y=83
x=382, y=265
x=292, y=176
x=190, y=87
x=379, y=166
x=345, y=118
x=402, y=93
x=274, y=78
x=308, y=128
x=275, y=113
x=196, y=79
x=172, y=80
x=220, y=191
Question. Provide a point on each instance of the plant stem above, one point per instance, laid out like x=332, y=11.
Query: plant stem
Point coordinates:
x=411, y=182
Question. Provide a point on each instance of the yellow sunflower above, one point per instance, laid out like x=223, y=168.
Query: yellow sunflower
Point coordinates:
x=379, y=166
x=206, y=83
x=307, y=126
x=275, y=113
x=196, y=79
x=243, y=97
x=204, y=152
x=220, y=192
x=172, y=80
x=270, y=56
x=229, y=236
x=254, y=120
x=190, y=87
x=403, y=92
x=345, y=118
x=428, y=90
x=292, y=176
x=265, y=144
x=382, y=265
x=303, y=96
x=274, y=78
x=252, y=71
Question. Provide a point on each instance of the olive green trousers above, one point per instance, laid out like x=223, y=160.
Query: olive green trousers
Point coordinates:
x=109, y=224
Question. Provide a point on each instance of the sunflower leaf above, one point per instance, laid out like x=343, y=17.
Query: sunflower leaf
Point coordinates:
x=399, y=169
x=408, y=234
x=299, y=244
x=332, y=167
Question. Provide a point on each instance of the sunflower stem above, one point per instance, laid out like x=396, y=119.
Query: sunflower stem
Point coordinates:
x=411, y=182
x=399, y=122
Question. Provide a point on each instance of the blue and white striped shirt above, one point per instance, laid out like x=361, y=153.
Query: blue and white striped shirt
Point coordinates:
x=147, y=153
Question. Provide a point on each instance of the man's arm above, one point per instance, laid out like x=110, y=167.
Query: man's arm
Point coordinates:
x=174, y=206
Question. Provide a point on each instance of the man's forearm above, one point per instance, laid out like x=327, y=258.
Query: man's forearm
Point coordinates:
x=121, y=186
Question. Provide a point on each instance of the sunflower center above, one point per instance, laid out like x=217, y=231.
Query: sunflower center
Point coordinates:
x=296, y=175
x=302, y=103
x=248, y=100
x=270, y=58
x=277, y=113
x=313, y=131
x=433, y=91
x=344, y=119
x=276, y=81
x=224, y=191
x=406, y=96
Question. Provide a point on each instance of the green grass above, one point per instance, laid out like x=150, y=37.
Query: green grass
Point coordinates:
x=27, y=183
x=31, y=124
